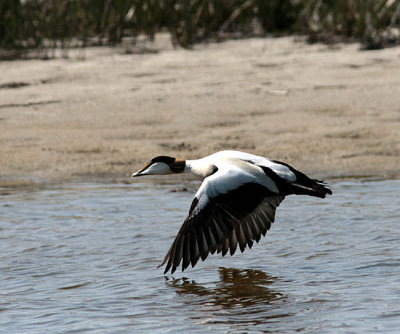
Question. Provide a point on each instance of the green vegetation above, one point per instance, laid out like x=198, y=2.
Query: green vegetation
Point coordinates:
x=46, y=24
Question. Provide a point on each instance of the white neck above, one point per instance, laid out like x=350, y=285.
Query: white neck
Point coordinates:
x=200, y=167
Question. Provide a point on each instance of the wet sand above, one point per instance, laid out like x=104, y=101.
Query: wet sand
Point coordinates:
x=330, y=111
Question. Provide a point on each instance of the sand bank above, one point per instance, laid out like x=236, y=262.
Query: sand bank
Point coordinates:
x=332, y=112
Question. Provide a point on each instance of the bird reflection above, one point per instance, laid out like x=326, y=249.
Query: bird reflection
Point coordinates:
x=235, y=288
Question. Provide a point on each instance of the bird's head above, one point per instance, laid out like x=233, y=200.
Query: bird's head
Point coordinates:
x=161, y=165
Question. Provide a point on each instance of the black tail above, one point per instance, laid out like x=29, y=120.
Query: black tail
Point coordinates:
x=308, y=187
x=303, y=184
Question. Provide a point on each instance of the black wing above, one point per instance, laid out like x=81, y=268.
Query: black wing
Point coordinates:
x=220, y=223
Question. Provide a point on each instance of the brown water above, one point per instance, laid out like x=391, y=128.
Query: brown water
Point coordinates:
x=81, y=258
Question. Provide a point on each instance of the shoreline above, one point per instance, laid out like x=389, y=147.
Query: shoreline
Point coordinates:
x=331, y=112
x=177, y=183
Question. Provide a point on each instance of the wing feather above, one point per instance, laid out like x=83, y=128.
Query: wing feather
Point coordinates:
x=254, y=229
x=241, y=237
x=211, y=240
x=204, y=246
x=225, y=247
x=186, y=252
x=232, y=243
x=216, y=231
x=179, y=251
x=194, y=253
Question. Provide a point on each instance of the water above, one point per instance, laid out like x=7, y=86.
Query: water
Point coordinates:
x=81, y=258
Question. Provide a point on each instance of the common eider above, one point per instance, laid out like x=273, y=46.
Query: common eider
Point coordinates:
x=234, y=205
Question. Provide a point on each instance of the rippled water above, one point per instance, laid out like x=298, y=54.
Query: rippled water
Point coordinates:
x=81, y=258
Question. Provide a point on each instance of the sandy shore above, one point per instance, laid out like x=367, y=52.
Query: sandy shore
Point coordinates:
x=332, y=112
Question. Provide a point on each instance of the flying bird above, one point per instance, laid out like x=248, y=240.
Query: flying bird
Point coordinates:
x=234, y=205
